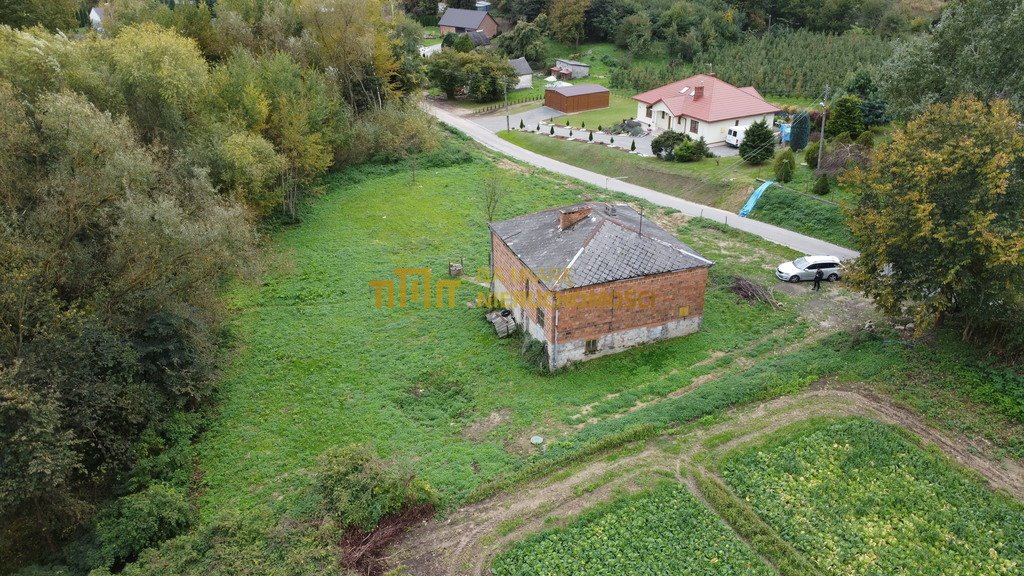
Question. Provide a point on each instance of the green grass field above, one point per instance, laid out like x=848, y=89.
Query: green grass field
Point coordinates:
x=859, y=497
x=662, y=531
x=318, y=365
x=725, y=183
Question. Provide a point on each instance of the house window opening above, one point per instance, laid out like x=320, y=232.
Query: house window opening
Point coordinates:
x=590, y=347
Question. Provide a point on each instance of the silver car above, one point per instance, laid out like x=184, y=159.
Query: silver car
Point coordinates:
x=806, y=267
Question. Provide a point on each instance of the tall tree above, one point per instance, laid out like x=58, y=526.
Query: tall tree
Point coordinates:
x=800, y=132
x=566, y=20
x=940, y=220
x=975, y=49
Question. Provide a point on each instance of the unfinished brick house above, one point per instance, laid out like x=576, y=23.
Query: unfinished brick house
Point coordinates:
x=594, y=279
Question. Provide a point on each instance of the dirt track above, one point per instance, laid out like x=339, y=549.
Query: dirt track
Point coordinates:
x=467, y=541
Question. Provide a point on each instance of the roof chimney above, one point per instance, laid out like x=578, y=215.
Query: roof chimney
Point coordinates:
x=698, y=92
x=569, y=217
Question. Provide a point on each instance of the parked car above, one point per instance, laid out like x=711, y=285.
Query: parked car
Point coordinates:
x=734, y=136
x=806, y=267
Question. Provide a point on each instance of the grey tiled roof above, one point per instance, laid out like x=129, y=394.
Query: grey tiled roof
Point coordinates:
x=603, y=247
x=462, y=18
x=521, y=65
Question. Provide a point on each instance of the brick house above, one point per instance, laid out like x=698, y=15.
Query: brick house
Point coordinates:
x=594, y=279
x=459, y=20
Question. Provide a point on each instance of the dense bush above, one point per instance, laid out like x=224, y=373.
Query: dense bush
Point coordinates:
x=663, y=145
x=359, y=489
x=785, y=166
x=845, y=116
x=481, y=76
x=138, y=521
x=866, y=139
x=811, y=154
x=796, y=63
x=800, y=131
x=691, y=150
x=821, y=186
x=758, y=144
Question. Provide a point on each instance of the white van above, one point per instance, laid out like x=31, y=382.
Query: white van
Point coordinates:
x=734, y=137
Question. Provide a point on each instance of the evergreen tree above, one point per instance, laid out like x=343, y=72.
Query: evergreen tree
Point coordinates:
x=800, y=132
x=821, y=186
x=785, y=165
x=846, y=116
x=758, y=144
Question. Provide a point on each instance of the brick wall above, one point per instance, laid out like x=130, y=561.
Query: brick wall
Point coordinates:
x=514, y=275
x=590, y=312
x=660, y=299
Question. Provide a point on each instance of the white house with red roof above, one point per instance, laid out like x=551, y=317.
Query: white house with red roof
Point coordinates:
x=703, y=106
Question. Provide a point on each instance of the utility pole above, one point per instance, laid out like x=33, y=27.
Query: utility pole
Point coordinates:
x=504, y=88
x=824, y=115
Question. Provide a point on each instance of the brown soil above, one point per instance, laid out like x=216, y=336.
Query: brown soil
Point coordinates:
x=478, y=430
x=467, y=541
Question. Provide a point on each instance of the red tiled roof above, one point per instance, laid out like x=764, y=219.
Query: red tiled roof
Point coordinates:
x=721, y=100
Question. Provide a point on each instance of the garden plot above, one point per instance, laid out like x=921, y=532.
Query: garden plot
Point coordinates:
x=855, y=496
x=662, y=531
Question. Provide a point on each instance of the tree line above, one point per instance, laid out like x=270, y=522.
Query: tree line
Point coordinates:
x=137, y=170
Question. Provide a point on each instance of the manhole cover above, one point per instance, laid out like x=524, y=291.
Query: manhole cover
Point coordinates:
x=537, y=440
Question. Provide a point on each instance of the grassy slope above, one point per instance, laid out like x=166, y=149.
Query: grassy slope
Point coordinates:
x=859, y=497
x=320, y=366
x=725, y=183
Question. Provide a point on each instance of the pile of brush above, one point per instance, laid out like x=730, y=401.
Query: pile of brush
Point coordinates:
x=753, y=292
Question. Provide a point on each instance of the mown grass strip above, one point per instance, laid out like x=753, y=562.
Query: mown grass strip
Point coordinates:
x=745, y=521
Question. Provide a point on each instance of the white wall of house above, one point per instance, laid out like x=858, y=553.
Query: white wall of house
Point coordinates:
x=525, y=81
x=713, y=132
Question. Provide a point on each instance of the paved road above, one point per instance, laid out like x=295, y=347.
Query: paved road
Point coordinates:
x=794, y=240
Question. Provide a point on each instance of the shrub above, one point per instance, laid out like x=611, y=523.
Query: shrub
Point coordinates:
x=692, y=150
x=846, y=116
x=758, y=144
x=552, y=130
x=663, y=146
x=866, y=139
x=522, y=124
x=821, y=186
x=632, y=147
x=841, y=138
x=590, y=137
x=785, y=166
x=843, y=157
x=359, y=488
x=139, y=521
x=800, y=132
x=583, y=124
x=811, y=154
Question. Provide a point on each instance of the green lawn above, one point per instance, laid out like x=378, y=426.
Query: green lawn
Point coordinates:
x=621, y=107
x=435, y=36
x=724, y=183
x=318, y=365
x=662, y=531
x=859, y=497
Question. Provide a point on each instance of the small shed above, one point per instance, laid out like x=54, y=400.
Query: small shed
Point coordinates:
x=576, y=98
x=523, y=71
x=569, y=69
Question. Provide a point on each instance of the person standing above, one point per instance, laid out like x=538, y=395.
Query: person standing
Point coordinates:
x=817, y=279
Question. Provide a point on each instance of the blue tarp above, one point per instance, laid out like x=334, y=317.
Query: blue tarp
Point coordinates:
x=784, y=132
x=749, y=206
